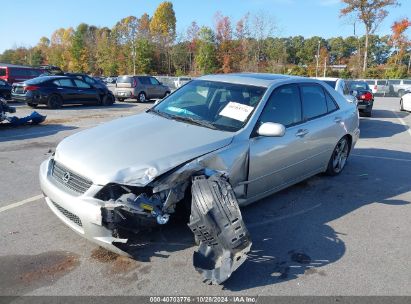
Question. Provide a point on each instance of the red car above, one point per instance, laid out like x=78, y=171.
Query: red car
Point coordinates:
x=17, y=73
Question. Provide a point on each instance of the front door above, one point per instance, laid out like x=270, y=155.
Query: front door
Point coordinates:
x=86, y=93
x=276, y=161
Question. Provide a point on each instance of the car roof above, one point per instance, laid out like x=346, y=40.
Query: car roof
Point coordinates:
x=255, y=79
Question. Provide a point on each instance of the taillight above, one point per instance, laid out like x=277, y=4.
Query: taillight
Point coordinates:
x=366, y=96
x=31, y=88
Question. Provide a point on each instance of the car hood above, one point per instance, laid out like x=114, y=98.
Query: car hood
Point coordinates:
x=136, y=149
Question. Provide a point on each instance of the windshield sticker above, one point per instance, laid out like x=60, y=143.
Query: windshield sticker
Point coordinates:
x=236, y=111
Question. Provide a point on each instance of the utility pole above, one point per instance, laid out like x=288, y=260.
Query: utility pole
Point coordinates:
x=318, y=58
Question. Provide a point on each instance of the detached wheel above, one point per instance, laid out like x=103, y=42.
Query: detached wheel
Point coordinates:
x=339, y=157
x=142, y=97
x=54, y=102
x=107, y=100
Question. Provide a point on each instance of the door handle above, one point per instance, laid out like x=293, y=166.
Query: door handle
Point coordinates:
x=302, y=132
x=338, y=119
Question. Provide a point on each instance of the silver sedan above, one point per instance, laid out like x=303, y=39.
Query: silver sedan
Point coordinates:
x=217, y=143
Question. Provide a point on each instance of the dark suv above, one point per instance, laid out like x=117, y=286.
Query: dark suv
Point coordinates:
x=142, y=88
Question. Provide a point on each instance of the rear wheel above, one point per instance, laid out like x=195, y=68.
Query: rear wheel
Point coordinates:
x=339, y=157
x=142, y=97
x=54, y=101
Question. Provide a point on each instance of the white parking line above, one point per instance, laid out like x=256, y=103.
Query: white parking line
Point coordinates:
x=382, y=157
x=403, y=123
x=17, y=204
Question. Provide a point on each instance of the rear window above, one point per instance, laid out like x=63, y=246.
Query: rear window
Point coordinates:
x=125, y=79
x=331, y=83
x=2, y=71
x=359, y=86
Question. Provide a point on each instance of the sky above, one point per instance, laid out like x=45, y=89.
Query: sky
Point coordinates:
x=28, y=20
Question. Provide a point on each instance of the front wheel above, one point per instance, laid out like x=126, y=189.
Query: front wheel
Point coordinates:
x=107, y=100
x=142, y=97
x=339, y=157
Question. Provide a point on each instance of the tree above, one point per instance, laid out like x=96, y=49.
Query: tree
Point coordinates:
x=206, y=59
x=126, y=31
x=399, y=39
x=371, y=13
x=224, y=42
x=163, y=29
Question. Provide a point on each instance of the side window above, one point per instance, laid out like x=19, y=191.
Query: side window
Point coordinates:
x=154, y=81
x=64, y=83
x=331, y=104
x=144, y=80
x=314, y=102
x=89, y=80
x=283, y=106
x=407, y=81
x=81, y=84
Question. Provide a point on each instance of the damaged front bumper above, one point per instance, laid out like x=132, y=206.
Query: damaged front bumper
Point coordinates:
x=105, y=215
x=81, y=213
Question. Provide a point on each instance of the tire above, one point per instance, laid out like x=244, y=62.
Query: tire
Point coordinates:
x=367, y=114
x=120, y=99
x=32, y=105
x=54, y=101
x=141, y=97
x=107, y=100
x=401, y=105
x=400, y=93
x=339, y=157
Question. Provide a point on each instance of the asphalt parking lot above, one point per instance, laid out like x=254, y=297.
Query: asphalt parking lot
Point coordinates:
x=346, y=235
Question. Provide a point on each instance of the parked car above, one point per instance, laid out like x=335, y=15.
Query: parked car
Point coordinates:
x=378, y=86
x=363, y=93
x=5, y=90
x=216, y=143
x=16, y=73
x=142, y=88
x=405, y=101
x=55, y=91
x=397, y=87
x=340, y=85
x=180, y=81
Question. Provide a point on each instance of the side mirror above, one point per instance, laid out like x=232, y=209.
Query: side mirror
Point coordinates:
x=271, y=129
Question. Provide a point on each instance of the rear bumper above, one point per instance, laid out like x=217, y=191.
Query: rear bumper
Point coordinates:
x=365, y=106
x=123, y=94
x=81, y=213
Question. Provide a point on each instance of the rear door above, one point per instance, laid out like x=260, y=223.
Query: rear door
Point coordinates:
x=146, y=86
x=67, y=90
x=86, y=93
x=324, y=123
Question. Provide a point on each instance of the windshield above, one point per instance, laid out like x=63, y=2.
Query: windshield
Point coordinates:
x=359, y=86
x=217, y=105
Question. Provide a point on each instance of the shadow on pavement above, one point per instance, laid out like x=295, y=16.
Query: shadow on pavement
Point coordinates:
x=375, y=128
x=290, y=229
x=10, y=133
